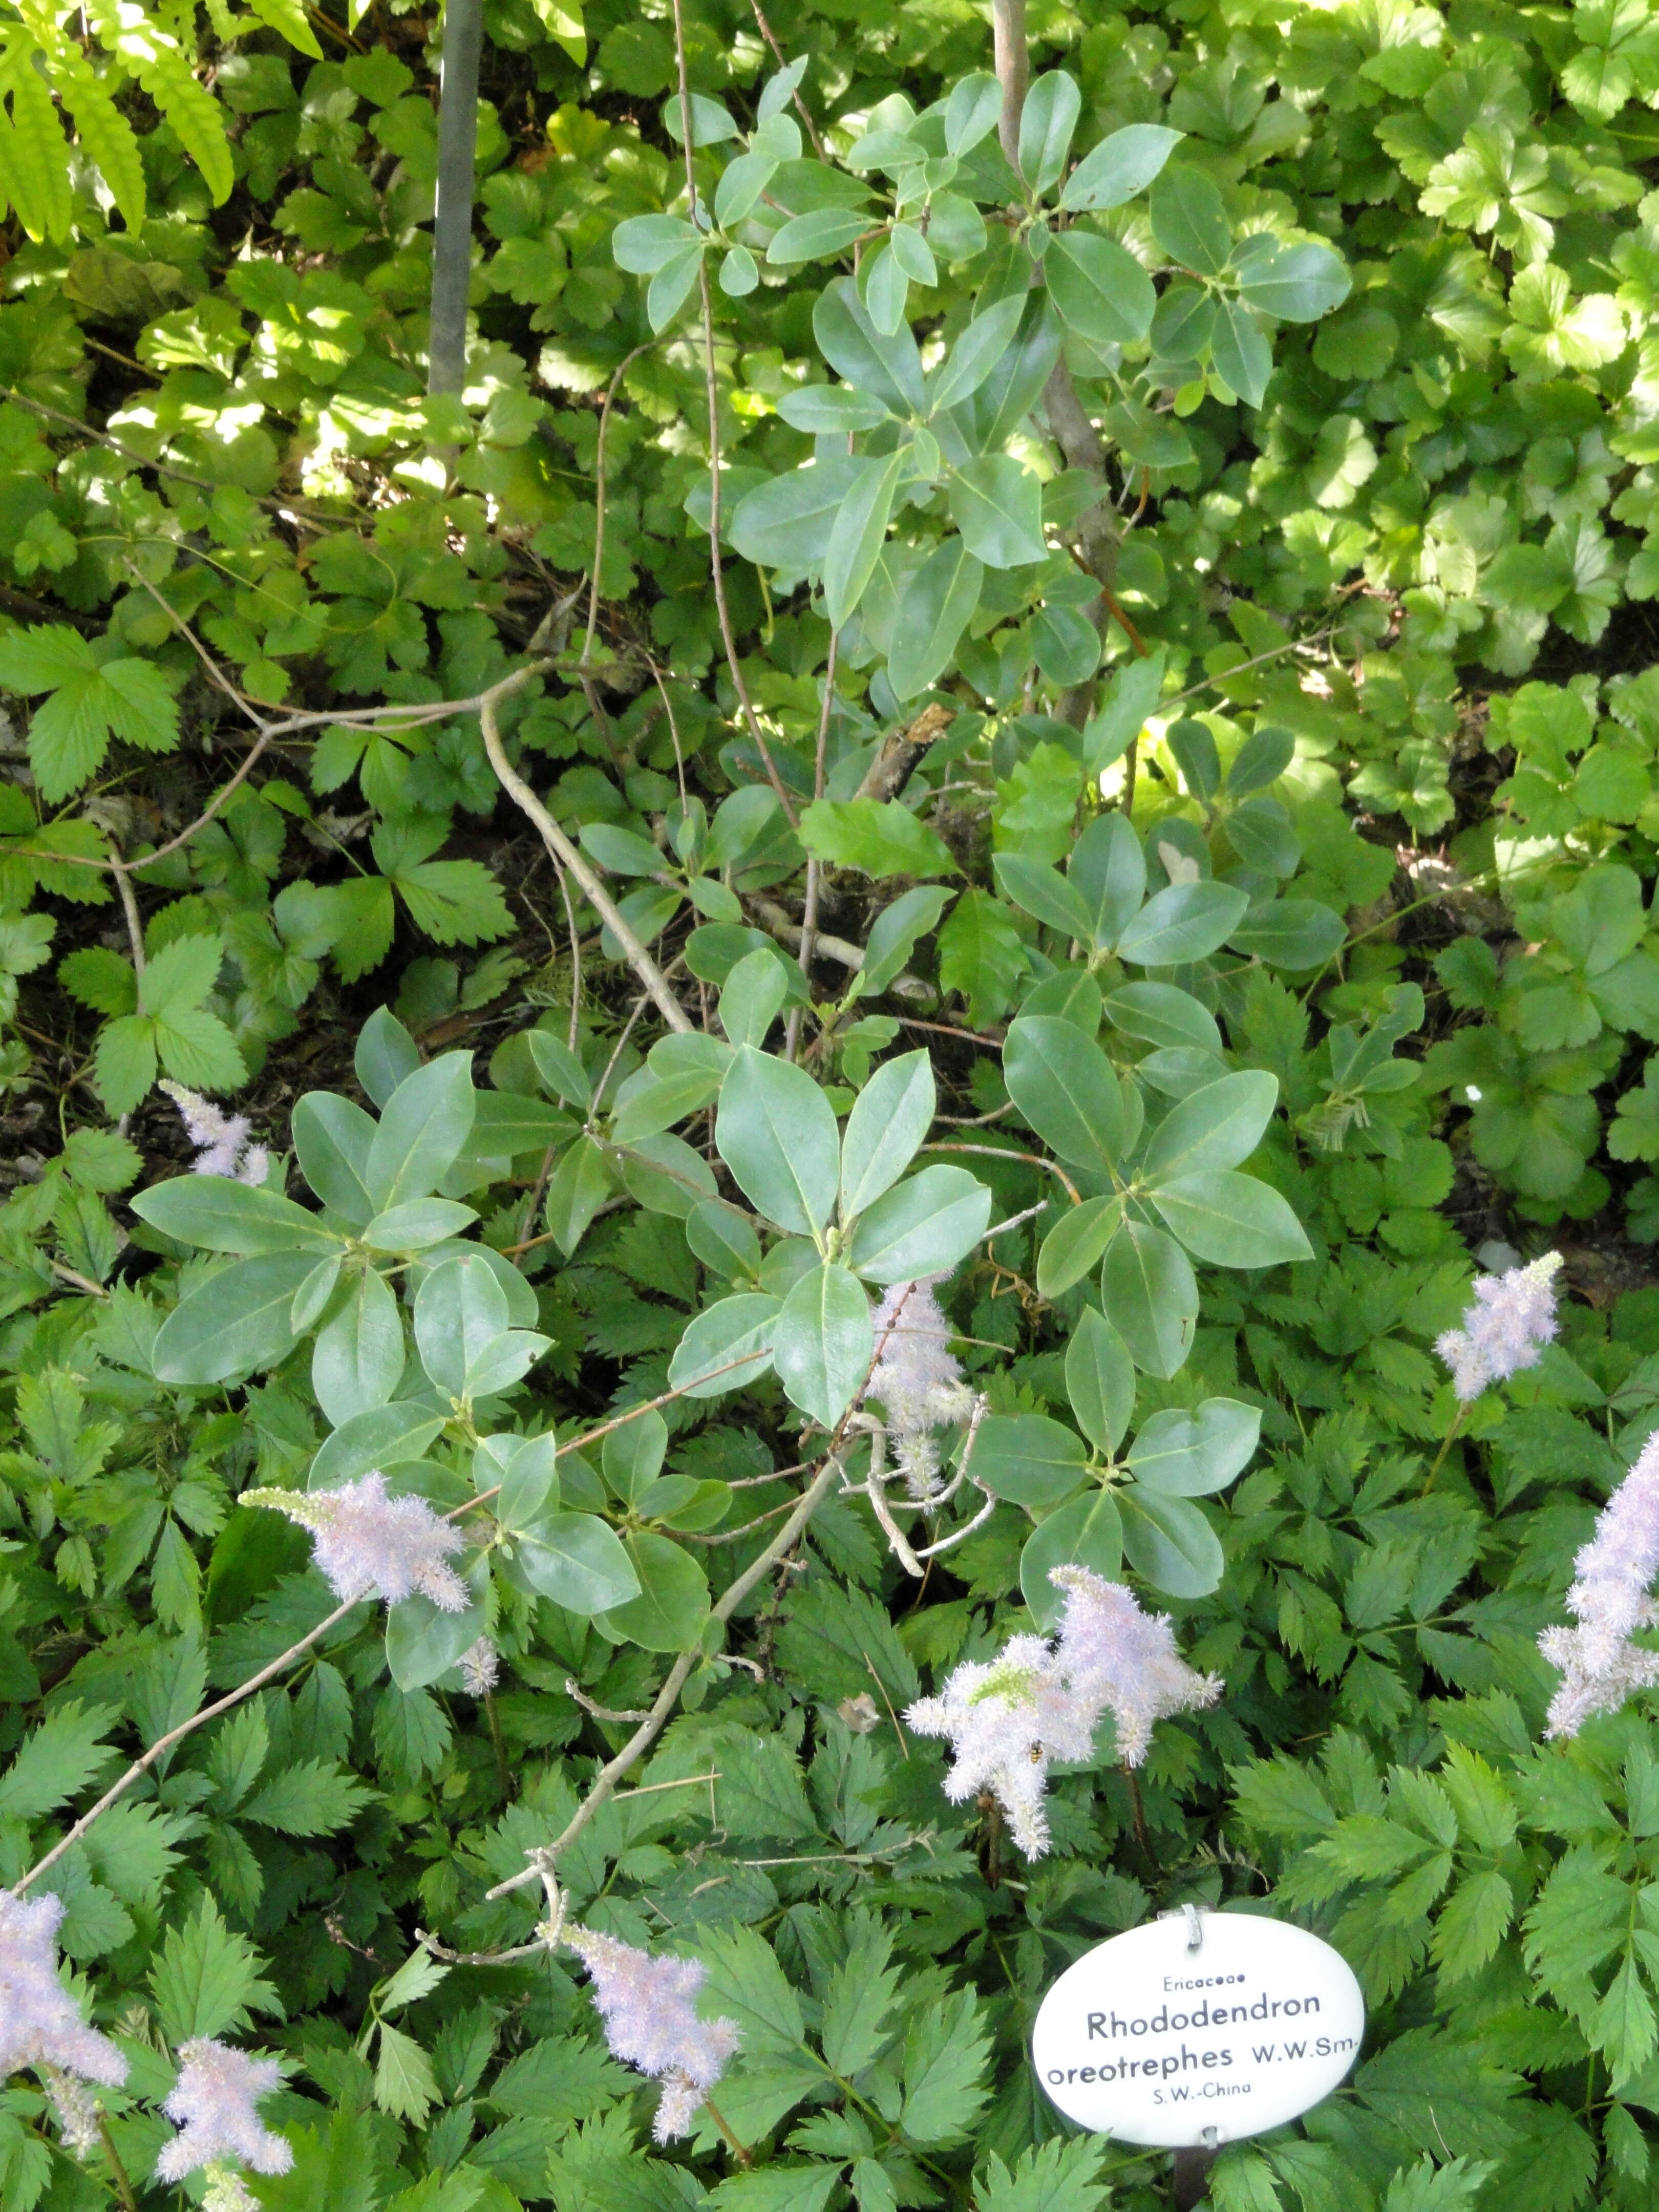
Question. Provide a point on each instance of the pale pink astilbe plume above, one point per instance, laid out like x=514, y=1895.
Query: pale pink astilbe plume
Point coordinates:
x=648, y=2005
x=1117, y=1658
x=1506, y=1329
x=1006, y=1722
x=227, y=2191
x=481, y=1666
x=1037, y=1702
x=369, y=1545
x=916, y=1378
x=39, y=2025
x=76, y=2109
x=212, y=2104
x=222, y=1140
x=1599, y=1666
x=1585, y=1690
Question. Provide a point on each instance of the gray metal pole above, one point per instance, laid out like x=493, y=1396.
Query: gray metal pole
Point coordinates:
x=452, y=235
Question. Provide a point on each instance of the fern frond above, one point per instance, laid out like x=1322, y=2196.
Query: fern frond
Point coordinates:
x=288, y=17
x=105, y=132
x=35, y=172
x=163, y=68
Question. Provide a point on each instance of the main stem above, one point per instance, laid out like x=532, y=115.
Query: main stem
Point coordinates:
x=1013, y=68
x=452, y=230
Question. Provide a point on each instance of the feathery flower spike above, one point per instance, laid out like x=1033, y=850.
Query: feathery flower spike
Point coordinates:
x=213, y=2104
x=1006, y=1722
x=369, y=1545
x=39, y=2025
x=75, y=2106
x=481, y=1666
x=222, y=1139
x=917, y=1378
x=1117, y=1658
x=1506, y=1329
x=1599, y=1666
x=1036, y=1703
x=648, y=2005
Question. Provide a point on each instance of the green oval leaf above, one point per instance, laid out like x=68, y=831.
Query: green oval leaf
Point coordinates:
x=1168, y=1540
x=776, y=1132
x=240, y=1321
x=578, y=1561
x=1102, y=291
x=672, y=1603
x=1100, y=1380
x=1075, y=1244
x=1063, y=1084
x=1190, y=1455
x=1231, y=1220
x=1028, y=1459
x=927, y=1227
x=1120, y=166
x=1186, y=922
x=1087, y=1531
x=220, y=1215
x=824, y=1343
x=727, y=1346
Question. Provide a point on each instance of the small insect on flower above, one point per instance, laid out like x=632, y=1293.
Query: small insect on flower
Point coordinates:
x=648, y=2005
x=1506, y=1329
x=1038, y=1702
x=369, y=1545
x=222, y=1139
x=1599, y=1665
x=916, y=1378
x=213, y=2105
x=39, y=2025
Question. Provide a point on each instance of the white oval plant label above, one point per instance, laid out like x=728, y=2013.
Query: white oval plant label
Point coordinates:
x=1154, y=2041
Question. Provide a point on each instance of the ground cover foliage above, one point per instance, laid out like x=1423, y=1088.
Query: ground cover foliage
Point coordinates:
x=1027, y=666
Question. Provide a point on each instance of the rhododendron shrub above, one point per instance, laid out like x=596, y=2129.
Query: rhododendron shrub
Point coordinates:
x=795, y=1125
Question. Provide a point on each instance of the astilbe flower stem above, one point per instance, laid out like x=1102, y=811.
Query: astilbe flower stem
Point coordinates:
x=1038, y=1702
x=213, y=2103
x=367, y=1544
x=648, y=2007
x=1600, y=1666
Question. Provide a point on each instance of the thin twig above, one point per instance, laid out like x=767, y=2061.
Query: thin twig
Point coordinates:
x=806, y=112
x=216, y=674
x=164, y=1744
x=667, y=1697
x=623, y=367
x=717, y=565
x=574, y=1689
x=997, y=1152
x=561, y=849
x=809, y=917
x=130, y=909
